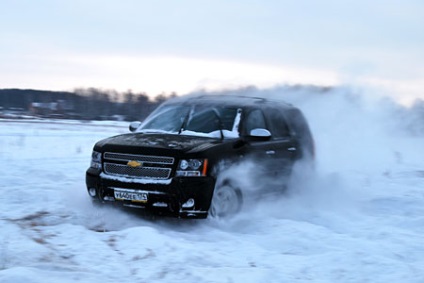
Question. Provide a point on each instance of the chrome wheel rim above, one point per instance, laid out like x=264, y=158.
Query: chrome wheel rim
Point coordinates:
x=225, y=202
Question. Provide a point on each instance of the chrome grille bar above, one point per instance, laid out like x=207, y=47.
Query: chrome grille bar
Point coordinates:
x=141, y=172
x=141, y=158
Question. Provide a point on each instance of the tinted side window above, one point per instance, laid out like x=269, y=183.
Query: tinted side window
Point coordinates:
x=254, y=120
x=299, y=124
x=277, y=123
x=301, y=128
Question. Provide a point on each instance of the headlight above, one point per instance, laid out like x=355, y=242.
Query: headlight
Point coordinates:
x=183, y=164
x=192, y=167
x=96, y=160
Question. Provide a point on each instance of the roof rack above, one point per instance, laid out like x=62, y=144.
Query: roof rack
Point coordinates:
x=240, y=96
x=248, y=99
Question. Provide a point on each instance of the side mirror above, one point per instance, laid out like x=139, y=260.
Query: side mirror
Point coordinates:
x=260, y=134
x=134, y=126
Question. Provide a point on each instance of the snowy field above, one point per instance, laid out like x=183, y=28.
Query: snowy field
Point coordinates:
x=359, y=218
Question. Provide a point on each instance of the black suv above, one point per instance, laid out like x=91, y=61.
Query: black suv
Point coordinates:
x=174, y=162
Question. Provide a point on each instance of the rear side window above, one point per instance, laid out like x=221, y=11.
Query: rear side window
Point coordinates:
x=277, y=123
x=299, y=124
x=301, y=128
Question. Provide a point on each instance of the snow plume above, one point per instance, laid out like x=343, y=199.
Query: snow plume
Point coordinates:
x=353, y=129
x=357, y=135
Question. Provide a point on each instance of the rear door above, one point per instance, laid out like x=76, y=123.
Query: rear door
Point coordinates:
x=286, y=147
x=274, y=156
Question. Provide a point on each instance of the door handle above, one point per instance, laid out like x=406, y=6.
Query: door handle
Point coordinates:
x=292, y=149
x=270, y=152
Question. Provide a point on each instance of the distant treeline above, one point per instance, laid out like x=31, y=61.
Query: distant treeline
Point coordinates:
x=89, y=103
x=99, y=104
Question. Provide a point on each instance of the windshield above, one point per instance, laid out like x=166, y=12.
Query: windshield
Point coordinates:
x=200, y=120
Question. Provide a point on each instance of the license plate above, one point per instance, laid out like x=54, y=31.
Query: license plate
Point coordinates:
x=131, y=195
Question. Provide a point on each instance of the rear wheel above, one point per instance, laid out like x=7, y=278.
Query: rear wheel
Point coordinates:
x=226, y=201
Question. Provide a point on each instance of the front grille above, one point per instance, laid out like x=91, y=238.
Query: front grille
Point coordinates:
x=153, y=167
x=142, y=172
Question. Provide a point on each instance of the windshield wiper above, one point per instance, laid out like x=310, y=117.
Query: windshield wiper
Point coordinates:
x=184, y=123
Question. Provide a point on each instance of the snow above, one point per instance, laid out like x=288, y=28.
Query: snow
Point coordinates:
x=132, y=180
x=215, y=134
x=358, y=218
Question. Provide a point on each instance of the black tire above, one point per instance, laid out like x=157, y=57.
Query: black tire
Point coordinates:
x=226, y=201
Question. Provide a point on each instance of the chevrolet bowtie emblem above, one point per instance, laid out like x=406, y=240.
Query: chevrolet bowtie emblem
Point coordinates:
x=134, y=164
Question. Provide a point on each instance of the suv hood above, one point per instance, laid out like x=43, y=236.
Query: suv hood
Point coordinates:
x=159, y=141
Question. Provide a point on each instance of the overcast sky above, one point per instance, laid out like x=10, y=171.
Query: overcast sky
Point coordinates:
x=183, y=45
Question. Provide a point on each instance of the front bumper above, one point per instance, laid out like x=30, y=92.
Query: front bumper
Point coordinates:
x=185, y=197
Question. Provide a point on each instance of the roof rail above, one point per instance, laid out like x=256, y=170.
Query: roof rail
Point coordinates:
x=240, y=96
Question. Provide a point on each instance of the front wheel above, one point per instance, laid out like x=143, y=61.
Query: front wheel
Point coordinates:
x=226, y=201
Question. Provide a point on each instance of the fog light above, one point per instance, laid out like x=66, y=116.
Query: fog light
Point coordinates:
x=189, y=203
x=92, y=192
